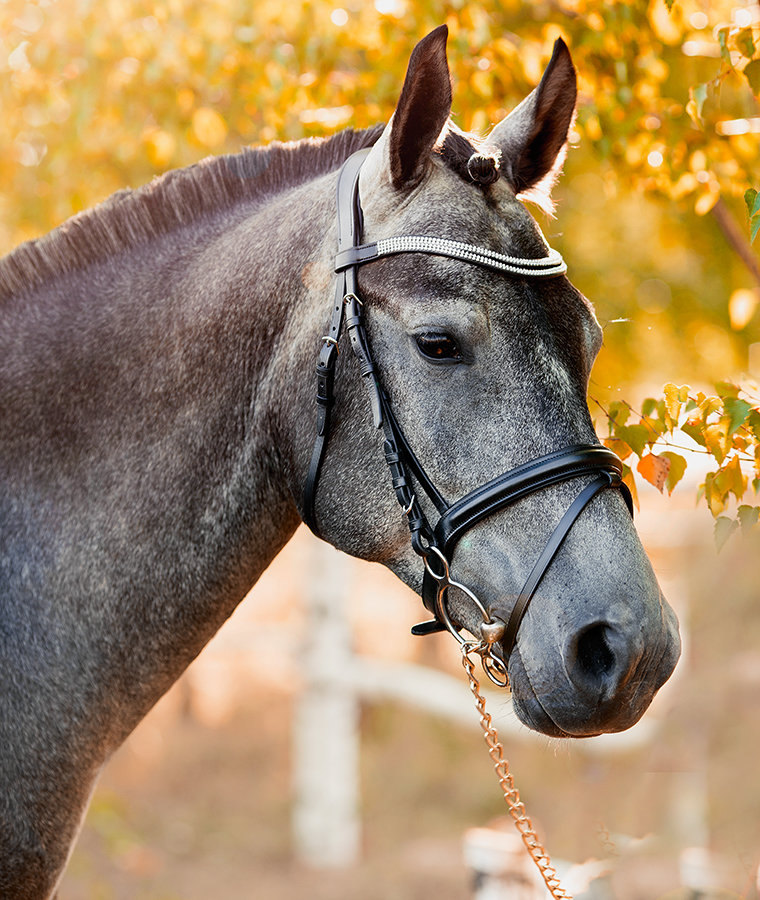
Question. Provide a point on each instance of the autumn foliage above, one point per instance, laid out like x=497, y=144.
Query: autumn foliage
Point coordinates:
x=664, y=157
x=725, y=426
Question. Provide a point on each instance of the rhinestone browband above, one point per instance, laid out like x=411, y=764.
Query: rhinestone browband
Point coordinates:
x=546, y=267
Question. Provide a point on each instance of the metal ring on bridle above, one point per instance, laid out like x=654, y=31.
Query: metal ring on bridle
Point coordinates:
x=495, y=668
x=444, y=582
x=445, y=575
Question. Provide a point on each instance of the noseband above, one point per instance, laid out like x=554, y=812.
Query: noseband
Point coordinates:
x=436, y=545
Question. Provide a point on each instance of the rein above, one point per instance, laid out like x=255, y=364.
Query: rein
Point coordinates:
x=436, y=545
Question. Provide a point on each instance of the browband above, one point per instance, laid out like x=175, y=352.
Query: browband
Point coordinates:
x=546, y=267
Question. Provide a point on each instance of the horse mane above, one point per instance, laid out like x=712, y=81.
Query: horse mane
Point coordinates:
x=131, y=217
x=134, y=216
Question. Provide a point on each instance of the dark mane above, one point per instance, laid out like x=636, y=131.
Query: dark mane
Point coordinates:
x=179, y=197
x=131, y=217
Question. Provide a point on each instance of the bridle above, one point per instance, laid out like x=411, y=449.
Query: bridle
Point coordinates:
x=436, y=545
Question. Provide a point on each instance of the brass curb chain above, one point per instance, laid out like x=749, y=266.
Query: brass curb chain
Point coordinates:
x=501, y=766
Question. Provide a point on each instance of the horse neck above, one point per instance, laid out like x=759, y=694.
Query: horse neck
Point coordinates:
x=160, y=381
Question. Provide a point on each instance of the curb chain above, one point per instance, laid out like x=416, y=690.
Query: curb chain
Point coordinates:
x=501, y=766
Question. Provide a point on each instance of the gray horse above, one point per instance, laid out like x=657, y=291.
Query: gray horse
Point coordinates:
x=157, y=418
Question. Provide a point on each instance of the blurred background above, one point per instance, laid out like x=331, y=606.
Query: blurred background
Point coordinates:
x=211, y=795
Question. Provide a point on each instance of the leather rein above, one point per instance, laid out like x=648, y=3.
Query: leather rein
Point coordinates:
x=436, y=545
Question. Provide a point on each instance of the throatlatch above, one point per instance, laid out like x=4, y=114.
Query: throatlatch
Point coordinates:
x=436, y=545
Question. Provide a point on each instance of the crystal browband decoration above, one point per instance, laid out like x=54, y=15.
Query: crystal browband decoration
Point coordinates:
x=550, y=265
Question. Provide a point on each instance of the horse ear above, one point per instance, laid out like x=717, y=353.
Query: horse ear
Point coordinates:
x=422, y=111
x=532, y=139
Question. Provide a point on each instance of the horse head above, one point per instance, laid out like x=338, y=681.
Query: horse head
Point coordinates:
x=484, y=371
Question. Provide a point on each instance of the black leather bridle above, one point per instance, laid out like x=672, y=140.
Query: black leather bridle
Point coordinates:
x=436, y=545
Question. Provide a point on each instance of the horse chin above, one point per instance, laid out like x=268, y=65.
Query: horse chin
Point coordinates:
x=532, y=712
x=560, y=713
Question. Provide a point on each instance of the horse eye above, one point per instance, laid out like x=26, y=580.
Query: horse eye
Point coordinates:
x=438, y=346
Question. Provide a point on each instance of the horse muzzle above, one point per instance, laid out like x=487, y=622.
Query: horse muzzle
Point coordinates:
x=596, y=676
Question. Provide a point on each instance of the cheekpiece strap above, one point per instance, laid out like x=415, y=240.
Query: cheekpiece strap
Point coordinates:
x=349, y=233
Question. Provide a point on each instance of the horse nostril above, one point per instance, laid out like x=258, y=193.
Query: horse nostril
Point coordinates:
x=593, y=654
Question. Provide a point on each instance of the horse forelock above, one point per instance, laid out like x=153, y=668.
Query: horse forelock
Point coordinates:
x=459, y=150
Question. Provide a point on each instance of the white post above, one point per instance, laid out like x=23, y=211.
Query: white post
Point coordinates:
x=501, y=867
x=326, y=739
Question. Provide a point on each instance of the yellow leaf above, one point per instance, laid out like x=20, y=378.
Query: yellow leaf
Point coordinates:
x=716, y=439
x=665, y=23
x=716, y=500
x=672, y=403
x=707, y=199
x=209, y=127
x=629, y=480
x=676, y=471
x=617, y=446
x=655, y=469
x=185, y=100
x=160, y=147
x=741, y=307
x=730, y=479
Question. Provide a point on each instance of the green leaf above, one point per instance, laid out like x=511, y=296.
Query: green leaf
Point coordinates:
x=697, y=97
x=750, y=197
x=694, y=431
x=669, y=4
x=636, y=436
x=725, y=53
x=748, y=516
x=726, y=389
x=754, y=229
x=700, y=95
x=752, y=74
x=744, y=42
x=618, y=413
x=677, y=469
x=737, y=410
x=756, y=205
x=724, y=528
x=753, y=420
x=654, y=417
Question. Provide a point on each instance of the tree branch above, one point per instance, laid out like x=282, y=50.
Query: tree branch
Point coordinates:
x=736, y=238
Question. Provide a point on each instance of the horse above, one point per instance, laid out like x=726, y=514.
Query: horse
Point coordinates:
x=159, y=423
